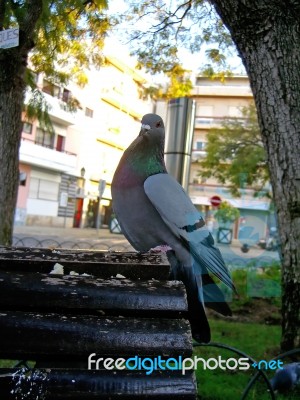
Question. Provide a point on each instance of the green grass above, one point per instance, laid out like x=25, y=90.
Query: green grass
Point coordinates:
x=258, y=305
x=258, y=341
x=253, y=284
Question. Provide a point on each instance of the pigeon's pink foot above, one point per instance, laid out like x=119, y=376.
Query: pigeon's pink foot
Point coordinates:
x=161, y=249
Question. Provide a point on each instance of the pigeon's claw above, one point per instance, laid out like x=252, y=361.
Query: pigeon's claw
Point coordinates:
x=164, y=248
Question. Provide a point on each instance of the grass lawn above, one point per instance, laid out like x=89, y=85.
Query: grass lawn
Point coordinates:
x=256, y=340
x=254, y=329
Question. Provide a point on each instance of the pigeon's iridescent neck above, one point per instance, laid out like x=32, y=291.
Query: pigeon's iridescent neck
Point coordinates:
x=135, y=167
x=140, y=168
x=143, y=158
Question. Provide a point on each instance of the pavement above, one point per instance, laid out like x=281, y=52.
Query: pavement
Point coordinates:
x=76, y=233
x=66, y=233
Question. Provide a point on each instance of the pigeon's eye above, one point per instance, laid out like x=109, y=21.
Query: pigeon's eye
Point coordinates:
x=158, y=124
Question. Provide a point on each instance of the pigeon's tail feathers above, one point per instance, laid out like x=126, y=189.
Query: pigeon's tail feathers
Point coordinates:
x=210, y=259
x=197, y=315
x=214, y=297
x=196, y=312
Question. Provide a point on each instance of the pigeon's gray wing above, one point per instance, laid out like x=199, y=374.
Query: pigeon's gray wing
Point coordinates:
x=186, y=222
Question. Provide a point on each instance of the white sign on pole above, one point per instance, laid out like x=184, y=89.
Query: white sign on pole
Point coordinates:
x=63, y=201
x=9, y=38
x=101, y=187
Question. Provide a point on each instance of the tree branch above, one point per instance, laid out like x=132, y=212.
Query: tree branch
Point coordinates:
x=33, y=12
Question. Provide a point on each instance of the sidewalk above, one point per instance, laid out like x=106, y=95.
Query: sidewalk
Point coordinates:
x=79, y=234
x=66, y=233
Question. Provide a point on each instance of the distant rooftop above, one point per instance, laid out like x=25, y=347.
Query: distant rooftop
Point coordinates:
x=235, y=86
x=234, y=80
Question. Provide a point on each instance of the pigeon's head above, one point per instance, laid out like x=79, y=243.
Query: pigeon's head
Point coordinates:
x=152, y=126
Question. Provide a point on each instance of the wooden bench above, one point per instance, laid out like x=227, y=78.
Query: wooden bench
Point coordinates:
x=121, y=305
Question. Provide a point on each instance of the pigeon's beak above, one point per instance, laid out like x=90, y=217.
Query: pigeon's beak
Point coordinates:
x=144, y=129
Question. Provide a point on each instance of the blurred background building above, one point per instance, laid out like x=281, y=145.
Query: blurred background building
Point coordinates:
x=64, y=173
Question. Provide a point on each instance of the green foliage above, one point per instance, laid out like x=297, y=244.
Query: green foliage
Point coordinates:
x=235, y=155
x=65, y=37
x=37, y=107
x=226, y=213
x=69, y=37
x=164, y=28
x=179, y=85
x=220, y=72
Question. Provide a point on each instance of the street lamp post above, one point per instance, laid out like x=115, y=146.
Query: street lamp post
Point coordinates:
x=101, y=188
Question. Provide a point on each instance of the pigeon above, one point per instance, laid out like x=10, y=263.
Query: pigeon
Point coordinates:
x=153, y=210
x=286, y=378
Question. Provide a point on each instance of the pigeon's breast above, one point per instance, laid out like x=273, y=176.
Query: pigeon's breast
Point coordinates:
x=139, y=220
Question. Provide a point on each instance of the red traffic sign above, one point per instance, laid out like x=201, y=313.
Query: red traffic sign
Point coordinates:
x=215, y=201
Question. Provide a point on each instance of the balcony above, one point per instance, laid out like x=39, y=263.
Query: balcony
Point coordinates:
x=46, y=156
x=129, y=104
x=221, y=90
x=198, y=155
x=57, y=109
x=216, y=122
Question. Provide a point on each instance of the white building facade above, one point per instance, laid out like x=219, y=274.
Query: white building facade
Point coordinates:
x=61, y=171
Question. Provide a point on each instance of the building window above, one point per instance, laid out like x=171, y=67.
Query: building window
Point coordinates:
x=22, y=178
x=205, y=111
x=200, y=146
x=89, y=113
x=27, y=128
x=66, y=95
x=60, y=143
x=51, y=89
x=235, y=112
x=43, y=189
x=44, y=138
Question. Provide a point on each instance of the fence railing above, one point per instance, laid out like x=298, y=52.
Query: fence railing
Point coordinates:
x=232, y=259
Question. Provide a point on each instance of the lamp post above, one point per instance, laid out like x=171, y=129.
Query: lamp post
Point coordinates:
x=101, y=188
x=82, y=184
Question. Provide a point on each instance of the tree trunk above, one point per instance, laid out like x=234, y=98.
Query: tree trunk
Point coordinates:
x=267, y=35
x=11, y=102
x=13, y=63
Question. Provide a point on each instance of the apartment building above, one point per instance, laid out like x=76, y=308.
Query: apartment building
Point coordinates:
x=216, y=100
x=65, y=175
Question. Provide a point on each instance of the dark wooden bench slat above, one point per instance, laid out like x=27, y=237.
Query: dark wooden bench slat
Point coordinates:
x=20, y=290
x=79, y=385
x=29, y=335
x=59, y=320
x=102, y=264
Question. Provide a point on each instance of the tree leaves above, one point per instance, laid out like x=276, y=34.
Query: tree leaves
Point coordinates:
x=165, y=28
x=235, y=155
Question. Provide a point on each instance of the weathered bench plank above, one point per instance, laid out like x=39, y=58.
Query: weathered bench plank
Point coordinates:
x=21, y=290
x=101, y=264
x=59, y=320
x=35, y=335
x=85, y=385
